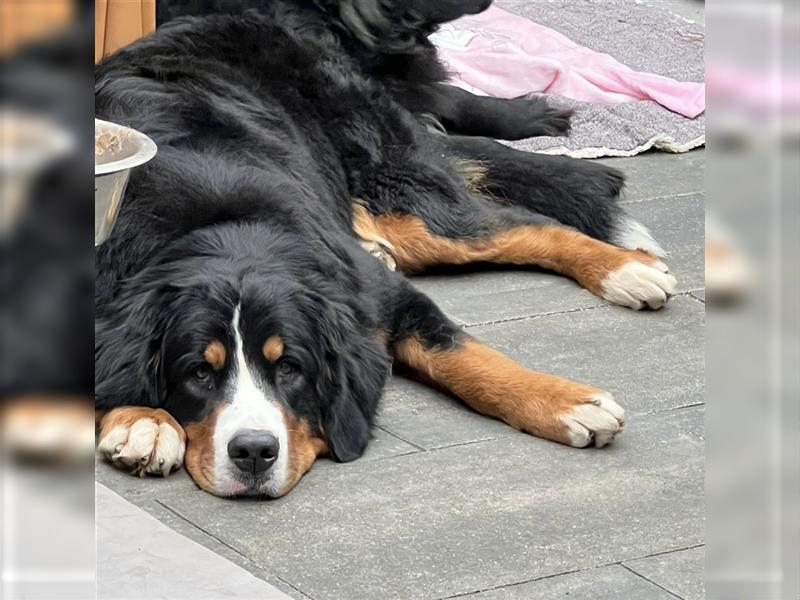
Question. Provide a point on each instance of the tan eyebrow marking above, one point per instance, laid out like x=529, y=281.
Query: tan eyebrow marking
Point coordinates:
x=215, y=354
x=273, y=348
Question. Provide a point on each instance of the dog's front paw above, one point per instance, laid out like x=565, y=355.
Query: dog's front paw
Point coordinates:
x=594, y=421
x=638, y=285
x=142, y=440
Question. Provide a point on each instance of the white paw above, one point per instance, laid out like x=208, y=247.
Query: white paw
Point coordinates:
x=147, y=446
x=598, y=421
x=635, y=236
x=382, y=250
x=637, y=285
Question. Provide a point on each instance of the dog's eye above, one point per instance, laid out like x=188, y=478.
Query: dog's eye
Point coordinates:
x=287, y=369
x=202, y=374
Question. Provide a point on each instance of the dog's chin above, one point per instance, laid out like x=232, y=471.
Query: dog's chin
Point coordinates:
x=237, y=486
x=248, y=487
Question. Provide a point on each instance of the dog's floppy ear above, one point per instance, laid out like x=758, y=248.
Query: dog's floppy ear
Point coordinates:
x=352, y=384
x=129, y=350
x=349, y=413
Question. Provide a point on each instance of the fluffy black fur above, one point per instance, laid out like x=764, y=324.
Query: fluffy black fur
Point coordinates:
x=269, y=124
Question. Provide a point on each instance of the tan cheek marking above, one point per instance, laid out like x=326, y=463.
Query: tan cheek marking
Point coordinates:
x=273, y=348
x=199, y=460
x=304, y=448
x=214, y=354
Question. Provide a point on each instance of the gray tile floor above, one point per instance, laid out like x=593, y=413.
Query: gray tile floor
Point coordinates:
x=140, y=558
x=446, y=503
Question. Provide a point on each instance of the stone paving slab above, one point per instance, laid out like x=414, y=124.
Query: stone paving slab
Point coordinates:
x=679, y=226
x=681, y=572
x=605, y=583
x=432, y=419
x=472, y=517
x=384, y=444
x=139, y=557
x=141, y=490
x=660, y=174
x=151, y=494
x=502, y=294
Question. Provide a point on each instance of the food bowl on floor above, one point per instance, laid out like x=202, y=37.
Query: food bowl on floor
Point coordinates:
x=117, y=150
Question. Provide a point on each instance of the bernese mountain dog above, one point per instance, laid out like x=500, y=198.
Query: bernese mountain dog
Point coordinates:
x=253, y=296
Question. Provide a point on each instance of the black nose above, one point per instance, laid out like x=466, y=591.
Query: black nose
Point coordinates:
x=253, y=450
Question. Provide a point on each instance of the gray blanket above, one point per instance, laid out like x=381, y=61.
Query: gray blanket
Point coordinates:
x=641, y=36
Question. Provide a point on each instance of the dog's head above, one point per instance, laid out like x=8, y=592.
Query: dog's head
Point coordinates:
x=262, y=355
x=391, y=26
x=399, y=25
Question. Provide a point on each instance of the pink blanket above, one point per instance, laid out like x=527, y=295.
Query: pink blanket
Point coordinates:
x=500, y=54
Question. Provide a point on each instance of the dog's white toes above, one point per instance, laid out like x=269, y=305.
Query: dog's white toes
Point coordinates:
x=145, y=447
x=638, y=285
x=661, y=266
x=113, y=443
x=169, y=451
x=596, y=421
x=139, y=447
x=382, y=250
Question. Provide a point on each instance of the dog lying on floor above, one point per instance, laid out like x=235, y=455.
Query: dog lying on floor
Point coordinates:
x=242, y=329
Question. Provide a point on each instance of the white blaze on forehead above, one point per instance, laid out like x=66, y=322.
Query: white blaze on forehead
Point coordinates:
x=252, y=406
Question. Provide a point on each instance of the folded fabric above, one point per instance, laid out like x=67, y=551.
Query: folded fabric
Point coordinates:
x=500, y=54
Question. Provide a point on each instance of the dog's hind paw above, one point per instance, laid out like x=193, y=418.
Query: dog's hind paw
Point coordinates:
x=533, y=116
x=543, y=119
x=638, y=285
x=381, y=251
x=142, y=440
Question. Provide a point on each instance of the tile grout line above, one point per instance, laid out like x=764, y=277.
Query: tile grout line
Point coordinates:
x=436, y=448
x=206, y=532
x=517, y=583
x=681, y=294
x=662, y=197
x=402, y=439
x=234, y=550
x=468, y=443
x=537, y=316
x=670, y=409
x=692, y=547
x=570, y=572
x=650, y=581
x=698, y=300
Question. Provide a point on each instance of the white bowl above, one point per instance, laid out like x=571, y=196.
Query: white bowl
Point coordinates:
x=111, y=171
